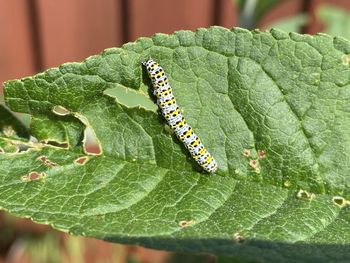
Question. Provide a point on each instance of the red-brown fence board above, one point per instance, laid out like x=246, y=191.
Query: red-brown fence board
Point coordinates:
x=16, y=57
x=227, y=15
x=159, y=16
x=73, y=30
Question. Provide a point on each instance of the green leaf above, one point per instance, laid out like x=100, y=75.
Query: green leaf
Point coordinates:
x=336, y=20
x=281, y=97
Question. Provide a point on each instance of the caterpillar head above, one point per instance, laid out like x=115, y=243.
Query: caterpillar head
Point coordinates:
x=150, y=64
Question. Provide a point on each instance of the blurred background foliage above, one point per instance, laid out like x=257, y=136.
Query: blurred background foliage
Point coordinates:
x=335, y=19
x=24, y=241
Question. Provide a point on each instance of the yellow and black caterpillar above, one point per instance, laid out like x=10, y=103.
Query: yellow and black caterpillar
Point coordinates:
x=171, y=112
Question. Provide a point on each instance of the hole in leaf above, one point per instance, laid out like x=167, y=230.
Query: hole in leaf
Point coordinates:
x=185, y=223
x=33, y=176
x=131, y=98
x=2, y=150
x=305, y=195
x=90, y=142
x=46, y=161
x=340, y=201
x=57, y=144
x=60, y=110
x=81, y=160
x=246, y=153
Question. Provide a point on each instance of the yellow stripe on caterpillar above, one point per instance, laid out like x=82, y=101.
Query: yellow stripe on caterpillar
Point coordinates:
x=175, y=113
x=181, y=123
x=202, y=151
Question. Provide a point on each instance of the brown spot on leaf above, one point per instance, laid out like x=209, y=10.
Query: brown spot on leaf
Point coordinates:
x=254, y=163
x=261, y=154
x=33, y=176
x=246, y=153
x=185, y=223
x=81, y=160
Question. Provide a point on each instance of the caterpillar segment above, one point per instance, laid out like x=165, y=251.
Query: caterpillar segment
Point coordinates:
x=172, y=113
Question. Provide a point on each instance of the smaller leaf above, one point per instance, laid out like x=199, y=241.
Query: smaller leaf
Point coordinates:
x=336, y=20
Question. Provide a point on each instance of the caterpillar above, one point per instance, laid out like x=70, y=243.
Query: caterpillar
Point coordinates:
x=172, y=113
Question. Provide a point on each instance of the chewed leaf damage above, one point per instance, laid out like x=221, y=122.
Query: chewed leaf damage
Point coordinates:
x=32, y=176
x=46, y=161
x=81, y=160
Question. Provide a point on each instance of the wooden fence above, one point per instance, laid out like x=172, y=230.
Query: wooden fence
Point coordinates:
x=38, y=34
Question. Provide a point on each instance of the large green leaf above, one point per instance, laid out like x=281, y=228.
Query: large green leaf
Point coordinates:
x=281, y=97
